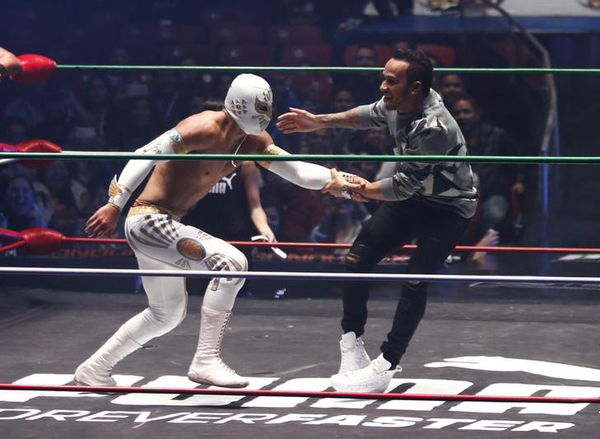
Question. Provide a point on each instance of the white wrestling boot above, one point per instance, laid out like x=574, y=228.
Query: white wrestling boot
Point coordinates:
x=96, y=370
x=374, y=378
x=353, y=355
x=207, y=366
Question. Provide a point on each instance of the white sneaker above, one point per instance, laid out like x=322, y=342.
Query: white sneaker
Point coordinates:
x=215, y=372
x=374, y=378
x=353, y=353
x=88, y=374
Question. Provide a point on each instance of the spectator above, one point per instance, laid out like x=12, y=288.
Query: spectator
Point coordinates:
x=137, y=119
x=92, y=105
x=343, y=100
x=343, y=220
x=59, y=116
x=15, y=130
x=20, y=209
x=300, y=211
x=450, y=87
x=318, y=142
x=166, y=93
x=286, y=98
x=364, y=84
x=497, y=182
x=63, y=198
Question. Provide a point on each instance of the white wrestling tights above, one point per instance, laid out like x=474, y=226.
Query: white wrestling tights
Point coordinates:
x=160, y=242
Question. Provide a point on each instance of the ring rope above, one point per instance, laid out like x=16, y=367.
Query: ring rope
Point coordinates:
x=309, y=245
x=334, y=245
x=51, y=240
x=293, y=393
x=70, y=155
x=12, y=245
x=474, y=70
x=53, y=271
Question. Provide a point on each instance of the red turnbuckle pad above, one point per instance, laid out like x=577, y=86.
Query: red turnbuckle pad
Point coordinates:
x=37, y=145
x=35, y=69
x=41, y=241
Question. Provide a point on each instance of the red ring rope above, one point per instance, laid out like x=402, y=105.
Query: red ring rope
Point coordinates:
x=514, y=249
x=312, y=245
x=8, y=247
x=354, y=395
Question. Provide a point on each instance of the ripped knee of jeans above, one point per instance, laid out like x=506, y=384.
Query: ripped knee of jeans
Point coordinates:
x=416, y=286
x=354, y=263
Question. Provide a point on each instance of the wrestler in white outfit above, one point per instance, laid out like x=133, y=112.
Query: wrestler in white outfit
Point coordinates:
x=160, y=241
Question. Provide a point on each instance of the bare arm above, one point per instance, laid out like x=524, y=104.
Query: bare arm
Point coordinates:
x=250, y=176
x=302, y=121
x=104, y=221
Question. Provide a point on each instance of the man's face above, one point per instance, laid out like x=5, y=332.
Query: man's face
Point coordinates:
x=451, y=86
x=343, y=101
x=19, y=197
x=466, y=115
x=320, y=141
x=394, y=86
x=365, y=57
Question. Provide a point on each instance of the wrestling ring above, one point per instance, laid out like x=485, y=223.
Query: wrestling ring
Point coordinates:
x=480, y=361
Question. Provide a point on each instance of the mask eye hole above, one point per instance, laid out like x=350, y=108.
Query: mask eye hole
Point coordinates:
x=262, y=107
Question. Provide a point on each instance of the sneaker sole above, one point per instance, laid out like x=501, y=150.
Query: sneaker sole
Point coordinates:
x=353, y=389
x=210, y=383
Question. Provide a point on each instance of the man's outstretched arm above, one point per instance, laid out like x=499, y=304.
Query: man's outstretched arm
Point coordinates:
x=302, y=121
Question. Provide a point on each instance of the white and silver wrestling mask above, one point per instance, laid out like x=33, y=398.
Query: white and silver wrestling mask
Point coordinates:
x=250, y=102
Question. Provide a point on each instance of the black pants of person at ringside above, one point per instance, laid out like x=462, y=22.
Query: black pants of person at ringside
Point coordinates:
x=393, y=224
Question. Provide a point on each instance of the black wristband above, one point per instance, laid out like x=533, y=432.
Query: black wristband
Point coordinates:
x=2, y=71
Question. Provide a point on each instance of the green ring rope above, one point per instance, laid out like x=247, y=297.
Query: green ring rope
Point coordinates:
x=468, y=70
x=580, y=160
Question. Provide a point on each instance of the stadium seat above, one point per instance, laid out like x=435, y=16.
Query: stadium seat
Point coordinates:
x=445, y=55
x=231, y=33
x=295, y=34
x=309, y=55
x=244, y=55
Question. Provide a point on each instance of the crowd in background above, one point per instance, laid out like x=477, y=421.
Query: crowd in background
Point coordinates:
x=121, y=110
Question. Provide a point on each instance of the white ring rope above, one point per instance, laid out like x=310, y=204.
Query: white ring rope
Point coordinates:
x=296, y=275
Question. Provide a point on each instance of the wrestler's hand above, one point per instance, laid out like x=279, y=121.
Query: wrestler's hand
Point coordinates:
x=353, y=178
x=297, y=121
x=358, y=180
x=35, y=69
x=338, y=186
x=103, y=222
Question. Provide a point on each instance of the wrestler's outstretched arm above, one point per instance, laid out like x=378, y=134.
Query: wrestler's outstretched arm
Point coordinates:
x=311, y=175
x=302, y=121
x=104, y=221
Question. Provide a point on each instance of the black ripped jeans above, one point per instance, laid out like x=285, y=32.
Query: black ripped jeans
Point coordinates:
x=394, y=224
